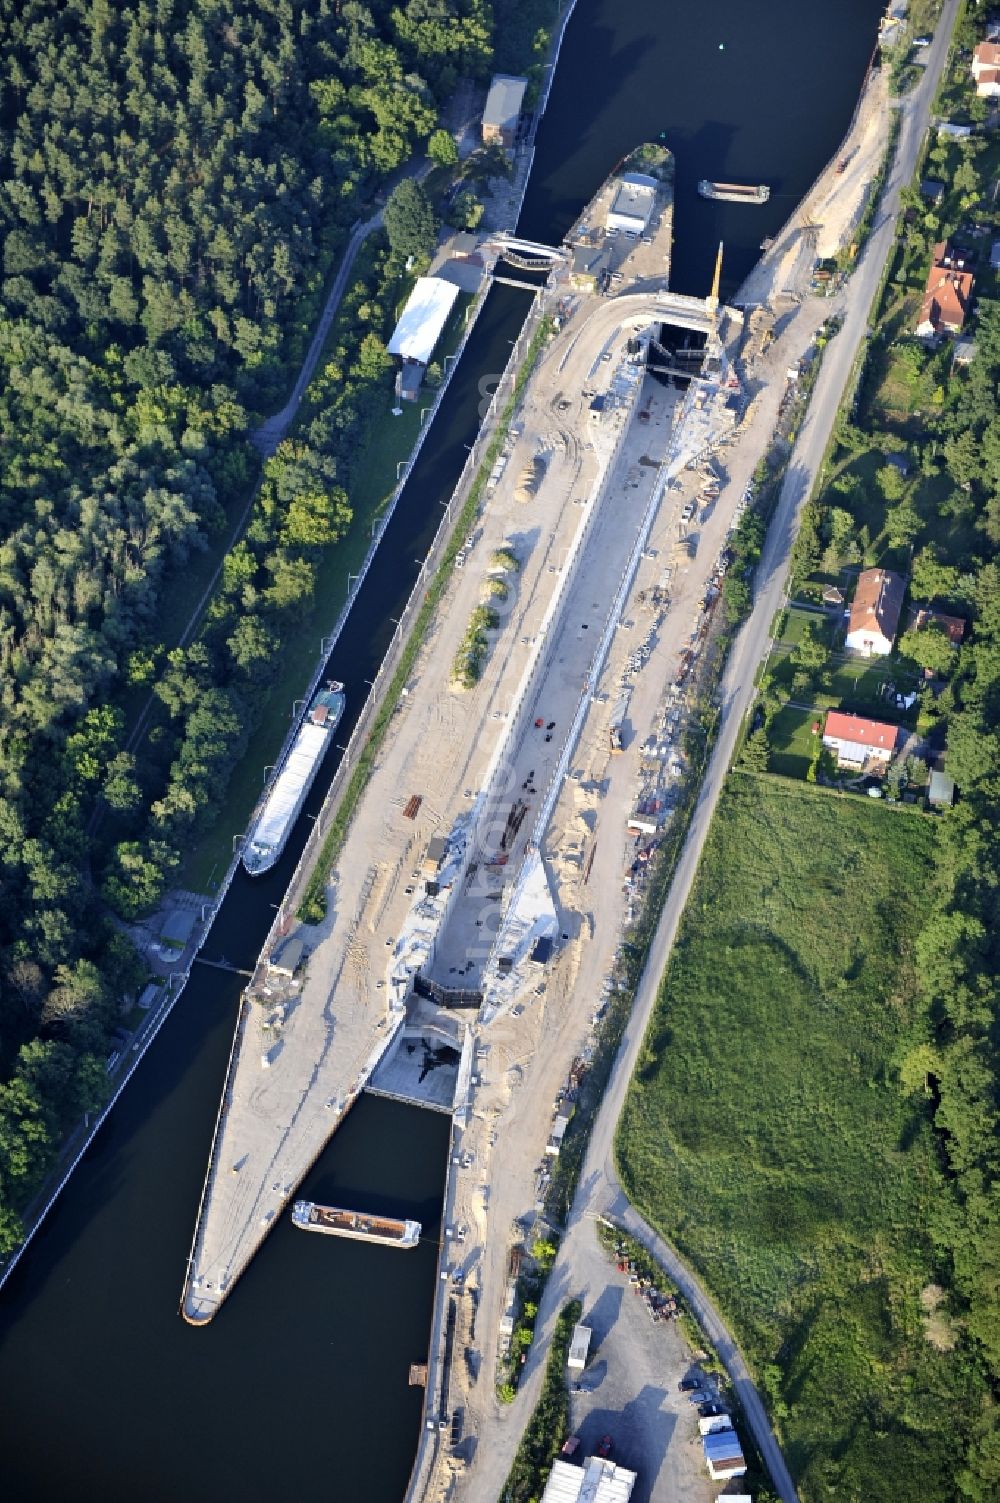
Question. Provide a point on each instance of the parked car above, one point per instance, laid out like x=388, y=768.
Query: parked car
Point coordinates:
x=688, y=1385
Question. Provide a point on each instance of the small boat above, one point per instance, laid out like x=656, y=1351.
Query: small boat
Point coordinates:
x=335, y=1222
x=735, y=193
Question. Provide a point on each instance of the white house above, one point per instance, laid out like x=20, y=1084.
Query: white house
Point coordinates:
x=986, y=69
x=859, y=743
x=875, y=612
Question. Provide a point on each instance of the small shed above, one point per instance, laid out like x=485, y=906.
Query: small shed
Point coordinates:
x=559, y=1127
x=964, y=352
x=995, y=255
x=932, y=189
x=900, y=462
x=941, y=792
x=723, y=1455
x=833, y=596
x=437, y=849
x=287, y=955
x=579, y=1347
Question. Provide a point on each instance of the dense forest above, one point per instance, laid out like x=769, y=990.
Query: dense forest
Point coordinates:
x=176, y=177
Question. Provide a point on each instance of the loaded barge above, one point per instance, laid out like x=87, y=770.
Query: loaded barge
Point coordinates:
x=735, y=193
x=337, y=1223
x=283, y=804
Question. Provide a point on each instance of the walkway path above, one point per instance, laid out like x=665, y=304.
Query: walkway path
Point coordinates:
x=268, y=436
x=599, y=1191
x=266, y=439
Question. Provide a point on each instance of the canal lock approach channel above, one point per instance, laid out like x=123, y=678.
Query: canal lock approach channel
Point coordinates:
x=300, y=1387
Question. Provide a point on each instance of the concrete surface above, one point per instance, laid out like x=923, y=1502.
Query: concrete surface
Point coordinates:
x=599, y=1191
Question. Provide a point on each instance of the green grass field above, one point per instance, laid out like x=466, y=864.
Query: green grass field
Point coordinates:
x=791, y=740
x=796, y=621
x=766, y=1133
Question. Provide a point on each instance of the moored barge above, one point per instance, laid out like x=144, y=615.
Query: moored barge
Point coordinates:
x=735, y=193
x=356, y=1224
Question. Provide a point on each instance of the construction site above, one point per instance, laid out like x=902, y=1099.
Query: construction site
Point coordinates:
x=533, y=765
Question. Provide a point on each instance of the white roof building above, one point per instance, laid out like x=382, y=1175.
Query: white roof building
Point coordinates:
x=632, y=206
x=597, y=1481
x=578, y=1348
x=422, y=321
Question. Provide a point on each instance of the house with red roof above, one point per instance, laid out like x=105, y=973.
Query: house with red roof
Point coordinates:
x=948, y=293
x=986, y=69
x=924, y=615
x=875, y=612
x=858, y=743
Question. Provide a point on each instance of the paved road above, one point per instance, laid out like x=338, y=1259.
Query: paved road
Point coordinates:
x=599, y=1190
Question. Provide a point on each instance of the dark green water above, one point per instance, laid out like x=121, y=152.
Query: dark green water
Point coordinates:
x=300, y=1385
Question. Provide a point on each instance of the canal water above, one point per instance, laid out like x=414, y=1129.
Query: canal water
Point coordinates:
x=300, y=1385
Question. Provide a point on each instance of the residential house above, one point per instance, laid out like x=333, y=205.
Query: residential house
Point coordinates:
x=503, y=109
x=833, y=596
x=953, y=130
x=923, y=615
x=947, y=295
x=986, y=69
x=964, y=352
x=875, y=612
x=859, y=743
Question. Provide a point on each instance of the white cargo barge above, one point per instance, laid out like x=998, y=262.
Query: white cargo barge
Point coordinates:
x=283, y=804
